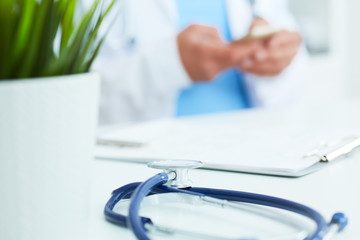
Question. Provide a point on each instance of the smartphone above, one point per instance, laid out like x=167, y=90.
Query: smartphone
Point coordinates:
x=261, y=32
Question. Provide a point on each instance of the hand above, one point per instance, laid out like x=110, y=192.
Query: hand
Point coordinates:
x=276, y=53
x=204, y=54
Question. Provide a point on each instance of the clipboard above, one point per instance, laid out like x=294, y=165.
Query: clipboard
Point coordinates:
x=325, y=153
x=233, y=144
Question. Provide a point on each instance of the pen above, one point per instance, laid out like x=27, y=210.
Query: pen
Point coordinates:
x=119, y=143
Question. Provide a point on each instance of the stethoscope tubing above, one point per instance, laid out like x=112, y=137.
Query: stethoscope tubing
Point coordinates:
x=264, y=200
x=138, y=191
x=117, y=195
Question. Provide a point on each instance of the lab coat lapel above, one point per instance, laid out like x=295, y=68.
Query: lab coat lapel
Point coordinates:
x=239, y=15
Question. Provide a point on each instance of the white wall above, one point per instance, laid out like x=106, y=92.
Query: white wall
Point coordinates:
x=353, y=88
x=333, y=23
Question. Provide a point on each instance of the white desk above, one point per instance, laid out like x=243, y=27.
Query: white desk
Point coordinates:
x=334, y=188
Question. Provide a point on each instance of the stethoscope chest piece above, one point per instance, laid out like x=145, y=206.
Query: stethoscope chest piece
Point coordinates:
x=177, y=170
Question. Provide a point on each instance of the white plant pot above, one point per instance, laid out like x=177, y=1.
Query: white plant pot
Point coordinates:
x=47, y=134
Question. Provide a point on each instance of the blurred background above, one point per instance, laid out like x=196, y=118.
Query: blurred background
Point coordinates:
x=332, y=37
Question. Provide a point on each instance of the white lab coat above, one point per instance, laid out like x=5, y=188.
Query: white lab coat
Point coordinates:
x=142, y=74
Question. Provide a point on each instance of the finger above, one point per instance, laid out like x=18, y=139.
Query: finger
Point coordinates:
x=281, y=53
x=268, y=68
x=233, y=52
x=260, y=55
x=284, y=38
x=242, y=51
x=246, y=64
x=262, y=71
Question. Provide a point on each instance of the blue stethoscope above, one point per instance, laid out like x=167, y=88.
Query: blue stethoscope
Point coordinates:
x=174, y=179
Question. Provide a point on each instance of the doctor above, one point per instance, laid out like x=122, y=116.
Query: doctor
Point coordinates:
x=167, y=58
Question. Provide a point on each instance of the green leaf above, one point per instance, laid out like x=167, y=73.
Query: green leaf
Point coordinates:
x=33, y=27
x=8, y=20
x=67, y=25
x=64, y=64
x=33, y=53
x=23, y=33
x=86, y=65
x=90, y=41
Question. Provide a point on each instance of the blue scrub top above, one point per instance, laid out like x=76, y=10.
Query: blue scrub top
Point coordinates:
x=226, y=92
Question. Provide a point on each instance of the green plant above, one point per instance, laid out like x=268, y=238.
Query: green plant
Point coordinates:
x=44, y=37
